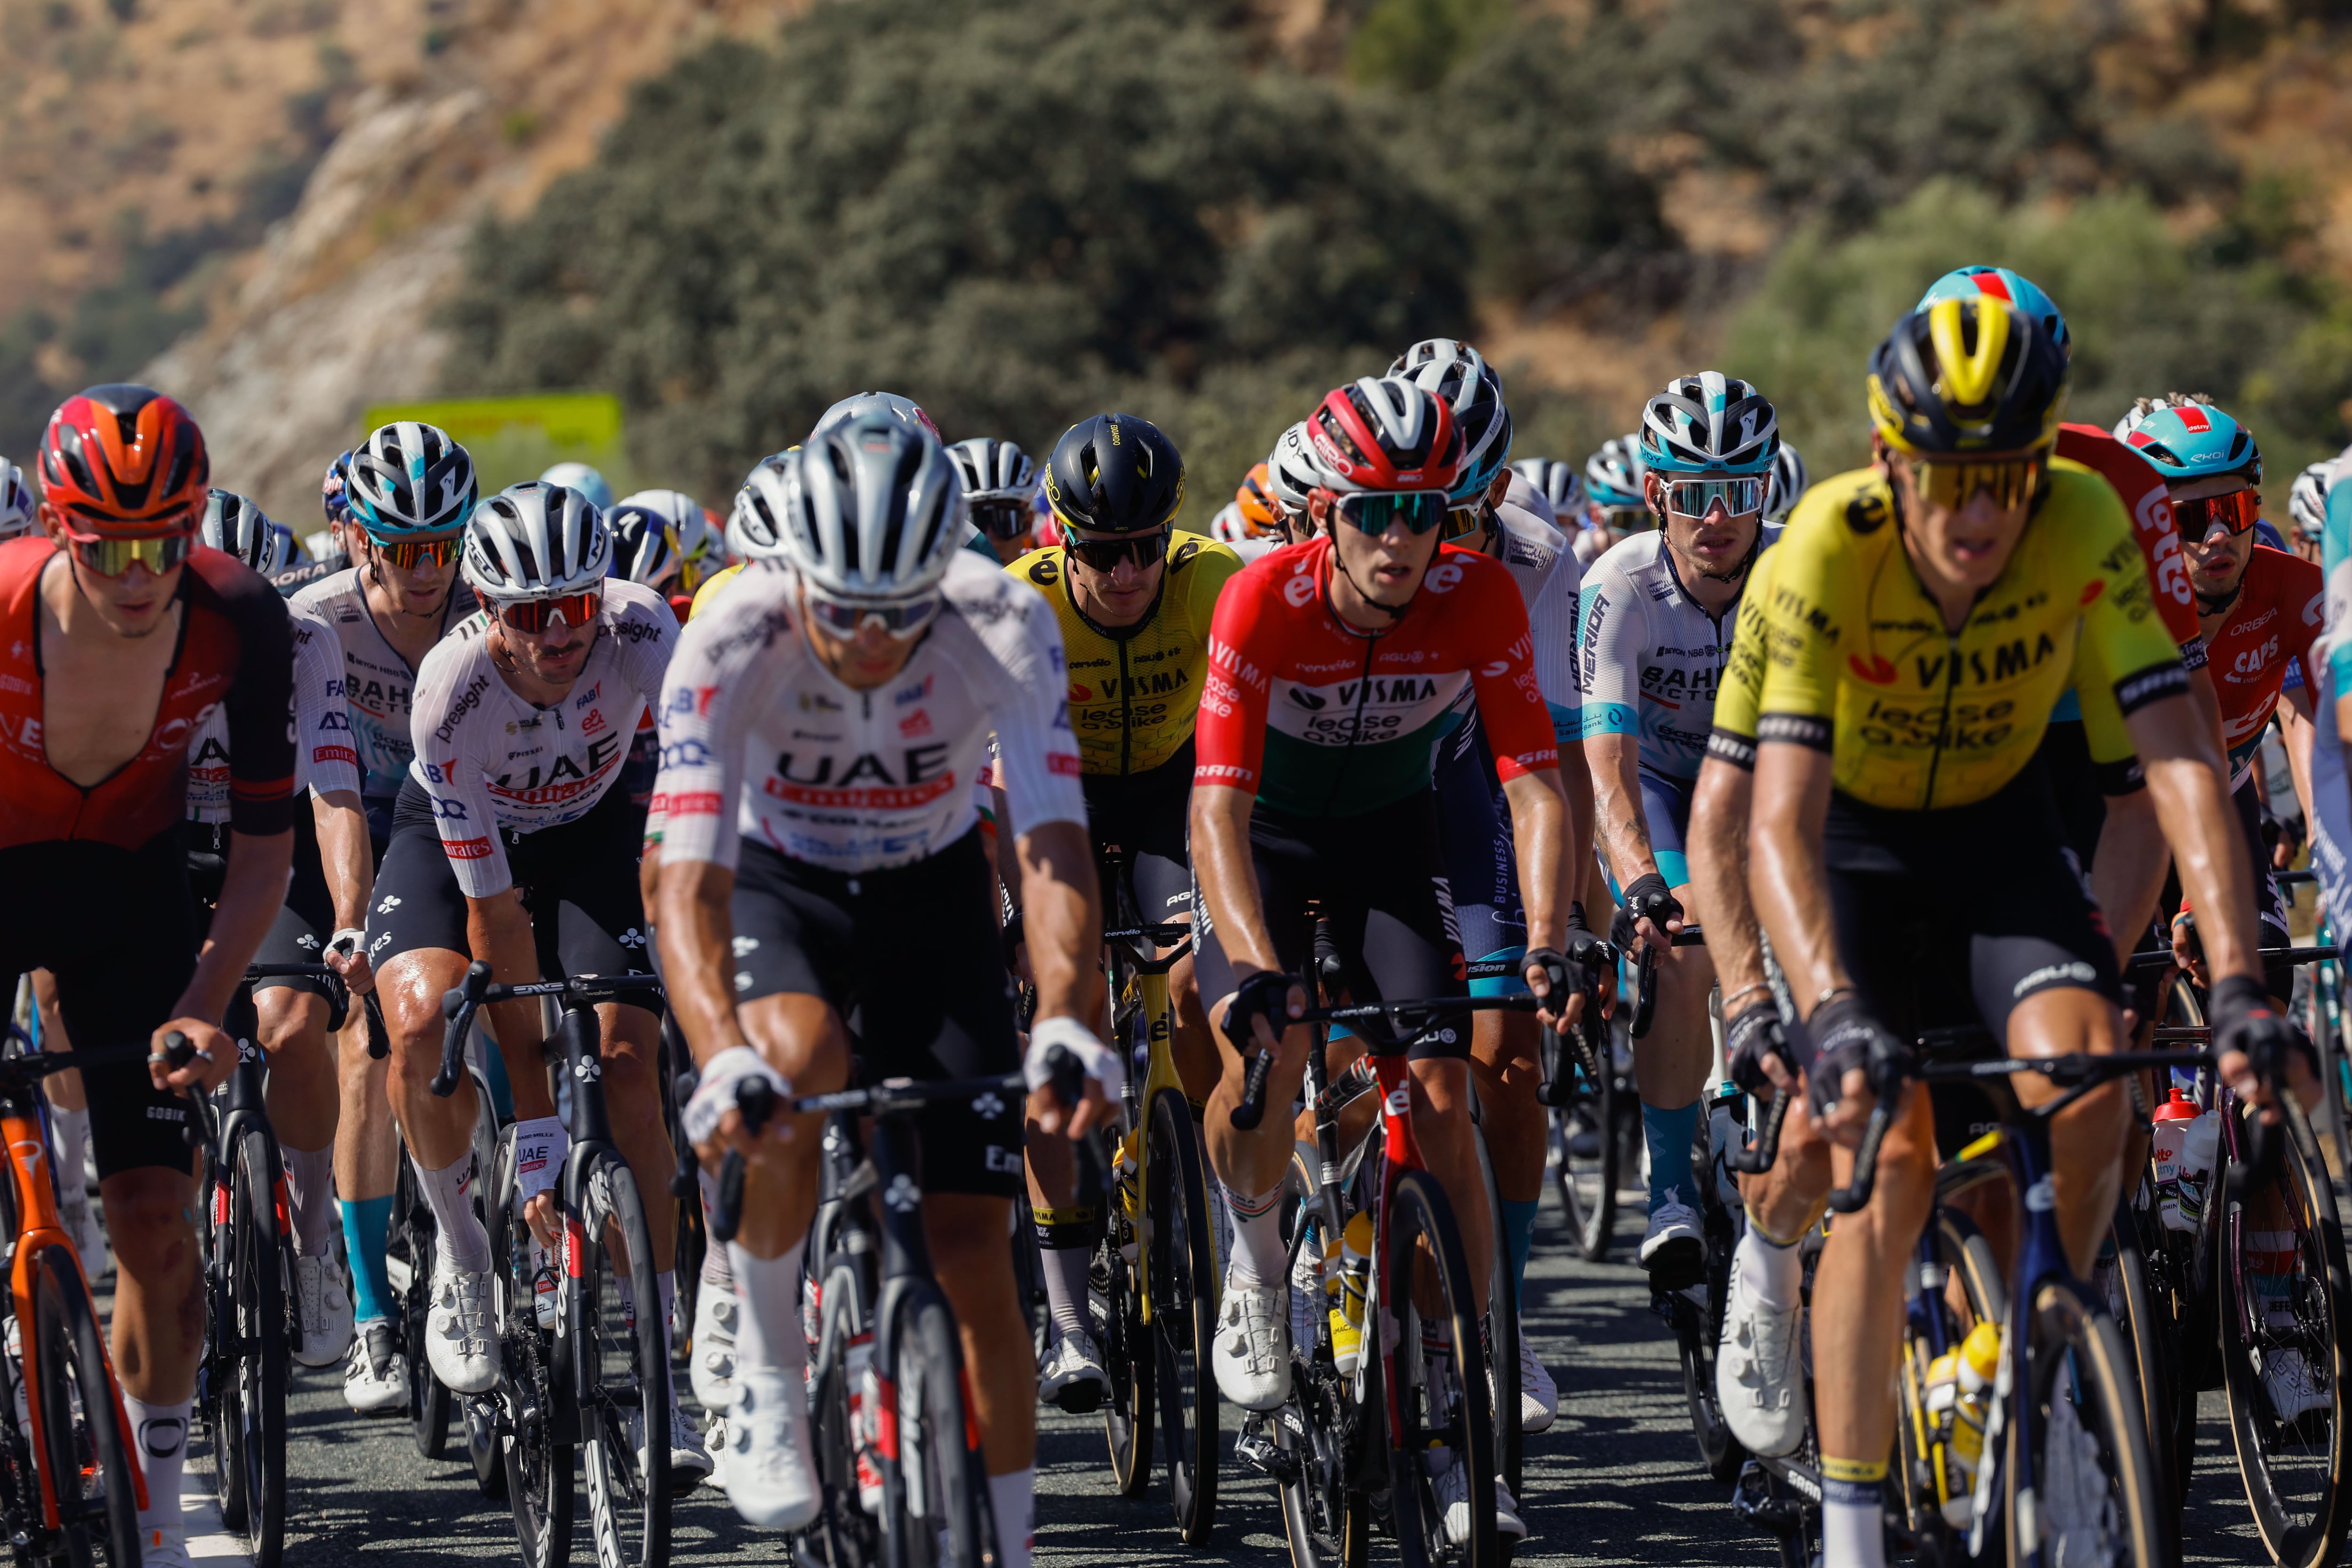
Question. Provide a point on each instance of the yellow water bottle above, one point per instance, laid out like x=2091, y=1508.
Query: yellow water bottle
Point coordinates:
x=1347, y=1316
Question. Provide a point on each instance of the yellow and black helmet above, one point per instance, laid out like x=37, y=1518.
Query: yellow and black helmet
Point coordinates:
x=1115, y=473
x=1967, y=375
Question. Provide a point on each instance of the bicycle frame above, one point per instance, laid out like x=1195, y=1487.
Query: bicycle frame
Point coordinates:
x=1158, y=1005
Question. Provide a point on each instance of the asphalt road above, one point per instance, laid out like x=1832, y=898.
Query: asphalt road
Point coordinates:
x=1615, y=1480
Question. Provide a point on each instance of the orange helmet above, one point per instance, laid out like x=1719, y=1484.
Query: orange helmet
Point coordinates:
x=125, y=461
x=1255, y=500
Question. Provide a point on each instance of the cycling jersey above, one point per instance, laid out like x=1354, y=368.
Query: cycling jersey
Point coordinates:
x=494, y=764
x=378, y=684
x=2142, y=490
x=1320, y=719
x=234, y=654
x=2275, y=618
x=1650, y=657
x=1537, y=555
x=710, y=588
x=323, y=757
x=1134, y=690
x=760, y=741
x=1855, y=660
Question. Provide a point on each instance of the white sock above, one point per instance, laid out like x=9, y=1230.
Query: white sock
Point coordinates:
x=1259, y=1257
x=463, y=1240
x=1065, y=1288
x=768, y=1333
x=717, y=1269
x=1775, y=1273
x=310, y=1196
x=159, y=1440
x=1853, y=1525
x=1014, y=1500
x=72, y=1134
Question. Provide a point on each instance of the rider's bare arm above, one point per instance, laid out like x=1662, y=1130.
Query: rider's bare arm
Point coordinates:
x=498, y=930
x=252, y=892
x=350, y=865
x=1221, y=860
x=1615, y=765
x=2127, y=874
x=696, y=931
x=1787, y=872
x=1717, y=846
x=1061, y=919
x=1540, y=829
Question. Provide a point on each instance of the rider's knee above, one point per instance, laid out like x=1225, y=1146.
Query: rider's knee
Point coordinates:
x=285, y=1016
x=151, y=1221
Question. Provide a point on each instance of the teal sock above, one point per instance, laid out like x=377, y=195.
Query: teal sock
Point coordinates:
x=1519, y=1233
x=364, y=1224
x=1669, y=1134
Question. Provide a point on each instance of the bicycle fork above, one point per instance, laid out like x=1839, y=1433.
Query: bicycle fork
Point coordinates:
x=590, y=1135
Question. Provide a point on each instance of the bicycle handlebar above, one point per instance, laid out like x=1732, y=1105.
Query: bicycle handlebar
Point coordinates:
x=1646, y=979
x=459, y=1003
x=1252, y=1109
x=2161, y=958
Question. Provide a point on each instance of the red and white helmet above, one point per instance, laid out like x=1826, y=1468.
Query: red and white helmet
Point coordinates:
x=1385, y=434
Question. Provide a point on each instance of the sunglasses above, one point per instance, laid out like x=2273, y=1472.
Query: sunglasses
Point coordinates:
x=844, y=618
x=534, y=615
x=1627, y=519
x=2236, y=512
x=1002, y=519
x=1462, y=521
x=406, y=555
x=1953, y=485
x=1103, y=555
x=112, y=558
x=1375, y=511
x=1696, y=497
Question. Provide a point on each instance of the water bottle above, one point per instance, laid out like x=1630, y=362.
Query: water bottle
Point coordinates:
x=1347, y=1285
x=2168, y=1129
x=542, y=1288
x=1959, y=1399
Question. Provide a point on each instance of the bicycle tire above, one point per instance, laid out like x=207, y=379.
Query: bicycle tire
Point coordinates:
x=2072, y=1341
x=938, y=1451
x=414, y=1238
x=1698, y=1330
x=1183, y=1284
x=1422, y=1231
x=1502, y=1326
x=246, y=1409
x=539, y=1468
x=84, y=1447
x=1128, y=1360
x=625, y=1351
x=1587, y=1181
x=2294, y=1473
x=845, y=1533
x=2131, y=1299
x=1320, y=1429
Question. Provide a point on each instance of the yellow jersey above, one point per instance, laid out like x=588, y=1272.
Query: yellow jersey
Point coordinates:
x=1135, y=690
x=710, y=588
x=1839, y=647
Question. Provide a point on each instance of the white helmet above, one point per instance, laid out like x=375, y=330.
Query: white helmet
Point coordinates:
x=1229, y=526
x=879, y=511
x=536, y=540
x=236, y=525
x=580, y=476
x=905, y=410
x=1788, y=485
x=2307, y=503
x=998, y=480
x=408, y=478
x=1293, y=467
x=755, y=527
x=1557, y=482
x=16, y=501
x=689, y=527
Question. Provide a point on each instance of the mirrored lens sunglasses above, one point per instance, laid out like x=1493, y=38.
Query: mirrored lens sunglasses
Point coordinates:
x=2009, y=482
x=2236, y=512
x=1696, y=497
x=1374, y=511
x=112, y=558
x=842, y=618
x=406, y=555
x=535, y=615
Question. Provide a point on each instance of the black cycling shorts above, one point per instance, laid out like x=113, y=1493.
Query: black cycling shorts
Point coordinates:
x=1482, y=862
x=909, y=958
x=1379, y=879
x=118, y=928
x=1146, y=815
x=2270, y=903
x=579, y=883
x=305, y=921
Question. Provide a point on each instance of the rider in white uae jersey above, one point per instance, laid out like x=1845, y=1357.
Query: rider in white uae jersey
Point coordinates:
x=377, y=685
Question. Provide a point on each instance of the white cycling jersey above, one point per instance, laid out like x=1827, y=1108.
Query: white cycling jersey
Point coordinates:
x=760, y=741
x=1650, y=658
x=323, y=757
x=378, y=684
x=1540, y=563
x=491, y=760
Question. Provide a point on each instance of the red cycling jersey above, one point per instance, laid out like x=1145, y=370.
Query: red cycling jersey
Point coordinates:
x=2137, y=480
x=1322, y=720
x=2277, y=614
x=235, y=652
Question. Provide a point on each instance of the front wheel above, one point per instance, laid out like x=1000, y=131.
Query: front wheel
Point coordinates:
x=412, y=1240
x=1115, y=1279
x=624, y=1397
x=2084, y=1491
x=84, y=1456
x=1183, y=1284
x=935, y=1487
x=245, y=1403
x=539, y=1467
x=1441, y=1452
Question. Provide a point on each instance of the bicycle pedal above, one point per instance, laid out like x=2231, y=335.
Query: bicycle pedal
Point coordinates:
x=1256, y=1448
x=1753, y=1501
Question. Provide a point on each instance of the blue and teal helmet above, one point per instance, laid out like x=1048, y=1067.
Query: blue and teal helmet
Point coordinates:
x=2185, y=437
x=408, y=478
x=1709, y=424
x=582, y=477
x=1612, y=475
x=2000, y=283
x=1457, y=375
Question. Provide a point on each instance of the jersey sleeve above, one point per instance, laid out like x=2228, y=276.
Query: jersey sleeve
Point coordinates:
x=730, y=661
x=1502, y=654
x=1610, y=645
x=2127, y=637
x=1215, y=565
x=1036, y=760
x=450, y=688
x=647, y=632
x=1809, y=611
x=1229, y=735
x=322, y=719
x=1553, y=619
x=1733, y=735
x=260, y=704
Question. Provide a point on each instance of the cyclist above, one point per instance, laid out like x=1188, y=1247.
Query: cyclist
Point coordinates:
x=820, y=729
x=96, y=711
x=998, y=480
x=1490, y=514
x=1292, y=472
x=1888, y=760
x=403, y=493
x=1788, y=487
x=1252, y=521
x=693, y=551
x=583, y=478
x=17, y=506
x=2307, y=509
x=290, y=1014
x=1350, y=650
x=297, y=574
x=1614, y=496
x=1656, y=619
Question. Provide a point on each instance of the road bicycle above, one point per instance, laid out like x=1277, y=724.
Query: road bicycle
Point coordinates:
x=597, y=1384
x=1588, y=1099
x=2322, y=1015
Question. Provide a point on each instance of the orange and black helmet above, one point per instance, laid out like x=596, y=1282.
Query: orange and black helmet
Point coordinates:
x=125, y=461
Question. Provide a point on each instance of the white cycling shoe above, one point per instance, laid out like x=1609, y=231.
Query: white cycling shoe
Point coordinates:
x=2288, y=1384
x=1451, y=1483
x=165, y=1548
x=326, y=1309
x=689, y=1461
x=768, y=1475
x=1073, y=1379
x=1756, y=1368
x=79, y=1212
x=1672, y=1248
x=458, y=1342
x=1251, y=1348
x=712, y=1371
x=375, y=1375
x=1538, y=1395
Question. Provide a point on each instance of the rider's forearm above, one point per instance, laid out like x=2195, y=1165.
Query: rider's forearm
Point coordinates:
x=1717, y=844
x=253, y=890
x=2189, y=785
x=2294, y=717
x=1221, y=864
x=2127, y=872
x=1789, y=873
x=344, y=853
x=1539, y=828
x=1062, y=920
x=498, y=931
x=695, y=928
x=1616, y=766
x=1576, y=783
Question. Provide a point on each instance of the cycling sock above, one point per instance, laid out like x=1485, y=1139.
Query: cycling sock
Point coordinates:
x=310, y=1194
x=1772, y=1269
x=716, y=1269
x=1519, y=1232
x=463, y=1240
x=2271, y=1257
x=1014, y=1500
x=1259, y=1258
x=1853, y=1527
x=72, y=1134
x=1668, y=1134
x=365, y=1221
x=1065, y=1288
x=159, y=1435
x=768, y=1333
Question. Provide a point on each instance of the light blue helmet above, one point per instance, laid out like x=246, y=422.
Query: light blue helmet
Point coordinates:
x=1709, y=424
x=2000, y=283
x=408, y=478
x=1612, y=475
x=579, y=477
x=1459, y=376
x=2188, y=438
